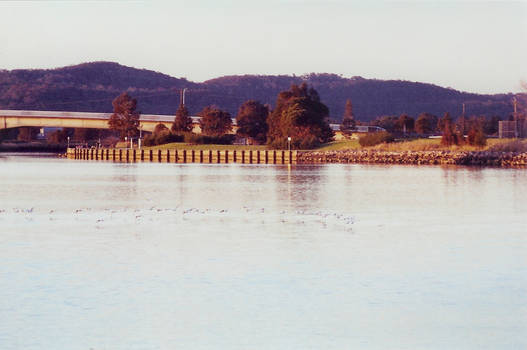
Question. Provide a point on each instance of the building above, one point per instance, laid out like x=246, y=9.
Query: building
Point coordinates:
x=516, y=128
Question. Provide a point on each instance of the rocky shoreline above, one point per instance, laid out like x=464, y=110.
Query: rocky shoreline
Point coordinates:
x=474, y=158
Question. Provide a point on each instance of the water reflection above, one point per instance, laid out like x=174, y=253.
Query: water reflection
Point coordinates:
x=302, y=184
x=124, y=181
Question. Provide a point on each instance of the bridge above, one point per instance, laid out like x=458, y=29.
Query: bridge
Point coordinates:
x=18, y=118
x=147, y=122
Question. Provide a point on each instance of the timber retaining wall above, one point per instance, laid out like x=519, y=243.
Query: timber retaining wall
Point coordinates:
x=184, y=155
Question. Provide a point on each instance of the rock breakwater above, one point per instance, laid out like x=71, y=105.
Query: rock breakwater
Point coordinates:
x=475, y=158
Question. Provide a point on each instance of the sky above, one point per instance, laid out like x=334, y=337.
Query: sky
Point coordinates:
x=467, y=45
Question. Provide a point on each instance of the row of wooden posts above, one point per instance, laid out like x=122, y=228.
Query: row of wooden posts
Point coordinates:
x=184, y=156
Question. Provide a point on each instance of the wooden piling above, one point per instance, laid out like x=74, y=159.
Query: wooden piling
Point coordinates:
x=186, y=156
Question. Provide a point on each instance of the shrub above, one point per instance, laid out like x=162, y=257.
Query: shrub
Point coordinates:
x=149, y=140
x=308, y=141
x=161, y=138
x=160, y=128
x=201, y=139
x=476, y=137
x=376, y=138
x=166, y=136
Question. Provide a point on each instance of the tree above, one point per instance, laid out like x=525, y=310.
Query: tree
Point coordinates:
x=27, y=133
x=125, y=119
x=446, y=125
x=85, y=134
x=462, y=124
x=299, y=114
x=491, y=125
x=9, y=134
x=348, y=119
x=214, y=121
x=183, y=121
x=476, y=136
x=252, y=121
x=160, y=128
x=425, y=123
x=60, y=136
x=405, y=124
x=387, y=122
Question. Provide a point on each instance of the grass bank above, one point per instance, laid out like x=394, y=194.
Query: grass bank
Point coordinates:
x=332, y=146
x=187, y=146
x=494, y=145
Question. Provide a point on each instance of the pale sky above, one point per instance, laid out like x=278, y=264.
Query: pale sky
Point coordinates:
x=472, y=46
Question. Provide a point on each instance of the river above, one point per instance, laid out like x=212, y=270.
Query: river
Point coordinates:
x=102, y=255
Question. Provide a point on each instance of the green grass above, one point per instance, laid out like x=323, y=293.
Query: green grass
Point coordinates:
x=339, y=145
x=178, y=145
x=505, y=145
x=435, y=145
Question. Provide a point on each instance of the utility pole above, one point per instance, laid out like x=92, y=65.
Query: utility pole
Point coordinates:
x=515, y=117
x=185, y=89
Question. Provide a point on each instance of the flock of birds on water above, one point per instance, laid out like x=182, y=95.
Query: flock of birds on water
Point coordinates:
x=100, y=217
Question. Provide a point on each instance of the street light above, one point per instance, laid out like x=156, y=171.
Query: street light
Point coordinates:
x=140, y=135
x=289, y=143
x=68, y=142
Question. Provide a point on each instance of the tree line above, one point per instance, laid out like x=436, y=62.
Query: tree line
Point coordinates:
x=299, y=120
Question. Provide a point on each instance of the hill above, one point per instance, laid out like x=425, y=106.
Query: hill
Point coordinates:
x=91, y=87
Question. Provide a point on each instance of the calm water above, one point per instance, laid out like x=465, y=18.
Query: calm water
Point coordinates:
x=188, y=256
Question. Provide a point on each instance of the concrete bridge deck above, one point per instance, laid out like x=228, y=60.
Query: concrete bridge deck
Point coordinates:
x=64, y=119
x=59, y=119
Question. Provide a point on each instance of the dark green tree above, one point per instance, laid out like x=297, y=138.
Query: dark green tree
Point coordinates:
x=85, y=134
x=425, y=123
x=27, y=133
x=252, y=121
x=9, y=134
x=476, y=136
x=348, y=119
x=125, y=118
x=387, y=122
x=183, y=121
x=405, y=124
x=214, y=121
x=448, y=136
x=491, y=125
x=301, y=115
x=160, y=128
x=60, y=136
x=462, y=125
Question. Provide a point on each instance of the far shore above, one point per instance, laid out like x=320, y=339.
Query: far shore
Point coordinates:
x=498, y=153
x=31, y=147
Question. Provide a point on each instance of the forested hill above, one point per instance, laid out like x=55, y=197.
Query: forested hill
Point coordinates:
x=91, y=87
